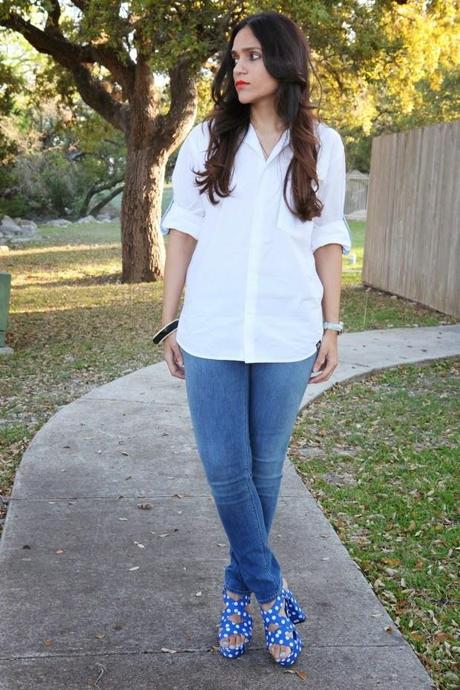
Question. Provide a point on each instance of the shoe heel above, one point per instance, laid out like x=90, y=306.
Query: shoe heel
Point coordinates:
x=293, y=608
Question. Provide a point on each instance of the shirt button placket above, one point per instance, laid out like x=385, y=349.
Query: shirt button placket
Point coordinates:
x=252, y=280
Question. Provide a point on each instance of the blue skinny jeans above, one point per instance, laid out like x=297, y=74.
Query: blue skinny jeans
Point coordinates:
x=242, y=417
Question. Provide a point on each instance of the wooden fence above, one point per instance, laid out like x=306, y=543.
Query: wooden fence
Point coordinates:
x=356, y=193
x=412, y=241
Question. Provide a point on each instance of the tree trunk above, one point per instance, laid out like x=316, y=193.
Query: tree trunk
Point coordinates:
x=150, y=138
x=143, y=250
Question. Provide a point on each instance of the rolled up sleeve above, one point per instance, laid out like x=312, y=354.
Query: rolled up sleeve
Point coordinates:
x=186, y=209
x=331, y=226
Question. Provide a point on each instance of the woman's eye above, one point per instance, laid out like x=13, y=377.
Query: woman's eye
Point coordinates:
x=254, y=56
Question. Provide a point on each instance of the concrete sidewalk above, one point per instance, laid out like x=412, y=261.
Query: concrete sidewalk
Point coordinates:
x=112, y=557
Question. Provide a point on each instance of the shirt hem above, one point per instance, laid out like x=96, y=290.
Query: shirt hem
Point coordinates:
x=241, y=359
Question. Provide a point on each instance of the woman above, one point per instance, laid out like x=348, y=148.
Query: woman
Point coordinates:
x=258, y=231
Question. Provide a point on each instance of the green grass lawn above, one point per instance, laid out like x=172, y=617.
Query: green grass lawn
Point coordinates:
x=381, y=455
x=74, y=326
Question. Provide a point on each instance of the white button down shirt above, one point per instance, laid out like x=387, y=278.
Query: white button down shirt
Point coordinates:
x=252, y=292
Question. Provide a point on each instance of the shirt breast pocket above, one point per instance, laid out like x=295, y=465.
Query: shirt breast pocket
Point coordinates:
x=297, y=230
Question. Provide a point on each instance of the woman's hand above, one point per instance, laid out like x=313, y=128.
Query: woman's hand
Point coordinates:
x=173, y=356
x=326, y=359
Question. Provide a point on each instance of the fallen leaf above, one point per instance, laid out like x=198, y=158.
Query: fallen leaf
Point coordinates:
x=301, y=674
x=416, y=636
x=390, y=571
x=441, y=636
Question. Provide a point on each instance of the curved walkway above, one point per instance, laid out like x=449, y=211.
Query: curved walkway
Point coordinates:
x=112, y=555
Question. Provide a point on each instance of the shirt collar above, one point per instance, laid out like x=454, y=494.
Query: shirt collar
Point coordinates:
x=252, y=140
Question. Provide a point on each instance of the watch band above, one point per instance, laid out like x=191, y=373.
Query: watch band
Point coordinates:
x=333, y=326
x=165, y=331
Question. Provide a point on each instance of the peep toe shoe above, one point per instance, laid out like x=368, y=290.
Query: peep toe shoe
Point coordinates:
x=293, y=608
x=280, y=635
x=228, y=627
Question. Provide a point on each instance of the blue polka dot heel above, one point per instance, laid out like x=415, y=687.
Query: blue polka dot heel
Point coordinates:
x=293, y=608
x=228, y=627
x=285, y=634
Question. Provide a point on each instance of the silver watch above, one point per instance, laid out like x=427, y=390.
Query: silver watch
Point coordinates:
x=333, y=326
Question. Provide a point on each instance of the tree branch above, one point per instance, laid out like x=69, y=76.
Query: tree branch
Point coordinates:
x=63, y=51
x=81, y=4
x=183, y=104
x=52, y=21
x=123, y=74
x=96, y=189
x=106, y=200
x=94, y=94
x=76, y=58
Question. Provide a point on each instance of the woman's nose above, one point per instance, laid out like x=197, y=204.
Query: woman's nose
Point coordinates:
x=239, y=70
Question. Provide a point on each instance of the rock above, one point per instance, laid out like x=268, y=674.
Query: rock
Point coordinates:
x=17, y=229
x=28, y=225
x=9, y=227
x=27, y=230
x=349, y=452
x=339, y=479
x=59, y=222
x=21, y=240
x=110, y=211
x=314, y=452
x=86, y=219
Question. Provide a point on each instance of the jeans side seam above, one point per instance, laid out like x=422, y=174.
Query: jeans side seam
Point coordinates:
x=248, y=458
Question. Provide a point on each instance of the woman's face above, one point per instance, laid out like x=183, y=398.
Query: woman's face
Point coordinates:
x=249, y=68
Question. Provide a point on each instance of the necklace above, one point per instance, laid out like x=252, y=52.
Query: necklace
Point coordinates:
x=262, y=146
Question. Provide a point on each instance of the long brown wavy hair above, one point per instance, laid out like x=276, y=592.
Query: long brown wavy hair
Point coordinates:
x=286, y=55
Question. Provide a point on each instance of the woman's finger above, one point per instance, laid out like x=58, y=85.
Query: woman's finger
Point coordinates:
x=174, y=368
x=173, y=357
x=325, y=364
x=325, y=373
x=178, y=356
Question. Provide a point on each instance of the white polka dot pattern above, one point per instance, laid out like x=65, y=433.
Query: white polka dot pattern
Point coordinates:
x=280, y=635
x=293, y=608
x=228, y=627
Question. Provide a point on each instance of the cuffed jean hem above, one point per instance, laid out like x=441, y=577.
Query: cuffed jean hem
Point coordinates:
x=235, y=590
x=271, y=598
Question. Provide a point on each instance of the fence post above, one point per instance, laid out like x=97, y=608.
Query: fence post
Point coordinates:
x=5, y=289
